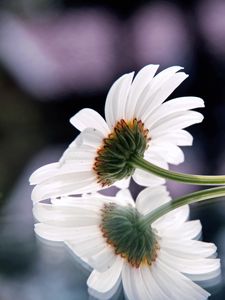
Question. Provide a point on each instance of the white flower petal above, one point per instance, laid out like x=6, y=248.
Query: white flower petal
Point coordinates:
x=151, y=198
x=105, y=284
x=44, y=173
x=161, y=94
x=168, y=151
x=198, y=269
x=89, y=118
x=104, y=259
x=141, y=82
x=81, y=154
x=84, y=146
x=188, y=230
x=120, y=104
x=123, y=184
x=144, y=178
x=65, y=216
x=188, y=248
x=91, y=137
x=73, y=173
x=173, y=219
x=60, y=234
x=66, y=184
x=55, y=171
x=148, y=100
x=154, y=157
x=152, y=285
x=71, y=177
x=177, y=122
x=70, y=165
x=176, y=285
x=124, y=197
x=116, y=99
x=94, y=201
x=171, y=107
x=86, y=246
x=133, y=283
x=179, y=138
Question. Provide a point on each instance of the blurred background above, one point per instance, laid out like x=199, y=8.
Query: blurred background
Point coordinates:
x=57, y=57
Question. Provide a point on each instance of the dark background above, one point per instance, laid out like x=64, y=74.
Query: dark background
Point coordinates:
x=57, y=57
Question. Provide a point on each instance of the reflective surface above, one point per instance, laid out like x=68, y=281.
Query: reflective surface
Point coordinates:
x=32, y=268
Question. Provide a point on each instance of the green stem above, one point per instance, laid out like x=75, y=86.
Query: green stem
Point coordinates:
x=187, y=199
x=141, y=163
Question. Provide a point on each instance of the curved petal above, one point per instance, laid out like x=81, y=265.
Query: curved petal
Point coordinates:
x=91, y=137
x=60, y=234
x=155, y=158
x=141, y=82
x=72, y=162
x=179, y=138
x=87, y=246
x=104, y=259
x=81, y=147
x=188, y=248
x=105, y=284
x=147, y=99
x=174, y=219
x=43, y=173
x=89, y=118
x=80, y=155
x=66, y=184
x=176, y=285
x=152, y=285
x=151, y=198
x=143, y=178
x=116, y=99
x=168, y=151
x=123, y=184
x=187, y=230
x=74, y=174
x=124, y=197
x=93, y=202
x=133, y=283
x=173, y=106
x=65, y=216
x=176, y=122
x=162, y=94
x=199, y=269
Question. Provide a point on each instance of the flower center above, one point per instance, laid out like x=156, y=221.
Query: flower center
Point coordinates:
x=123, y=229
x=128, y=138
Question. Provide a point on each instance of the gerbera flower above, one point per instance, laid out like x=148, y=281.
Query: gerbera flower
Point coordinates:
x=152, y=262
x=138, y=123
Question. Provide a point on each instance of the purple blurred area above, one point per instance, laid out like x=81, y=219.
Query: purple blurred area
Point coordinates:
x=160, y=33
x=55, y=54
x=57, y=57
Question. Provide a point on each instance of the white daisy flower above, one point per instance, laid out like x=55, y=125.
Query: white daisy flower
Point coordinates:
x=156, y=262
x=138, y=123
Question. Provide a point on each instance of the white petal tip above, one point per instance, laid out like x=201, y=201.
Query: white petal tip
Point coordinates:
x=73, y=120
